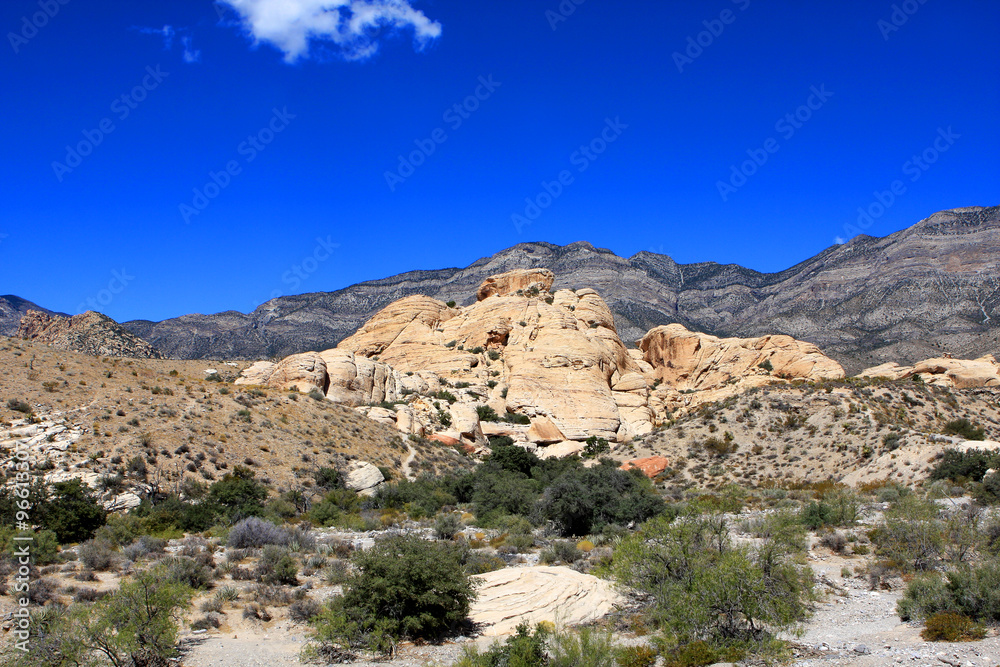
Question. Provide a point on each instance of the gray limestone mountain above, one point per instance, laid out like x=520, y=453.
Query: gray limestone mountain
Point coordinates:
x=930, y=289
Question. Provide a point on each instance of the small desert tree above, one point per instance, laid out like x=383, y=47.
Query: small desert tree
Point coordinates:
x=705, y=588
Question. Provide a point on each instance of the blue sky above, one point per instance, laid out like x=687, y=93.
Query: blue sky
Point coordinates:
x=163, y=158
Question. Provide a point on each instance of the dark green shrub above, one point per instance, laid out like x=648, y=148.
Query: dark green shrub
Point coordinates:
x=968, y=465
x=512, y=458
x=450, y=304
x=595, y=447
x=443, y=395
x=514, y=417
x=18, y=405
x=525, y=648
x=328, y=478
x=238, y=494
x=815, y=515
x=965, y=429
x=402, y=587
x=766, y=365
x=487, y=414
x=72, y=511
x=583, y=500
x=277, y=566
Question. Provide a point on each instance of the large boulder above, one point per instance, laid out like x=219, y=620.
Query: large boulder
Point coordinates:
x=363, y=477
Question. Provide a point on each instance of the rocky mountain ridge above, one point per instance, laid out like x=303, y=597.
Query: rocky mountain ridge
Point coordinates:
x=930, y=289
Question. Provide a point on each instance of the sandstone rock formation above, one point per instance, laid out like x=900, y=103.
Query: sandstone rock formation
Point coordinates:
x=944, y=371
x=90, y=333
x=363, y=477
x=547, y=370
x=550, y=357
x=559, y=595
x=687, y=361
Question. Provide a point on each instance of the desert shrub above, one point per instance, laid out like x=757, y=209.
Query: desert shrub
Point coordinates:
x=187, y=572
x=499, y=492
x=706, y=588
x=443, y=395
x=172, y=513
x=304, y=611
x=910, y=536
x=487, y=414
x=402, y=587
x=88, y=595
x=446, y=525
x=277, y=566
x=783, y=528
x=134, y=625
x=121, y=529
x=257, y=612
x=143, y=546
x=516, y=418
x=635, y=656
x=425, y=496
x=96, y=555
x=965, y=429
x=583, y=500
x=480, y=562
x=255, y=533
x=815, y=515
x=594, y=447
x=328, y=478
x=835, y=541
x=561, y=550
x=42, y=590
x=950, y=627
x=44, y=548
x=924, y=596
x=525, y=648
x=72, y=511
x=969, y=465
x=238, y=494
x=512, y=458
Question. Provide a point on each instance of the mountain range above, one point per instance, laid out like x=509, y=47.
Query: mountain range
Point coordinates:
x=928, y=290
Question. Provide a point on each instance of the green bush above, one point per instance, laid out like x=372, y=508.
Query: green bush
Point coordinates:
x=134, y=625
x=121, y=529
x=402, y=587
x=706, y=588
x=583, y=500
x=594, y=447
x=910, y=536
x=525, y=648
x=43, y=549
x=968, y=465
x=965, y=429
x=514, y=417
x=238, y=494
x=328, y=478
x=277, y=566
x=72, y=511
x=487, y=414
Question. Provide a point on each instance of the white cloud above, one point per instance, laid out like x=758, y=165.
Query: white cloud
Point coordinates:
x=839, y=240
x=167, y=32
x=352, y=27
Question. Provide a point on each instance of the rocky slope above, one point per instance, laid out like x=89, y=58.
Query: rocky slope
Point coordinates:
x=89, y=332
x=928, y=289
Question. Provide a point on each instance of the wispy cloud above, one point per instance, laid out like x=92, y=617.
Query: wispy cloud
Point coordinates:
x=168, y=33
x=191, y=54
x=350, y=27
